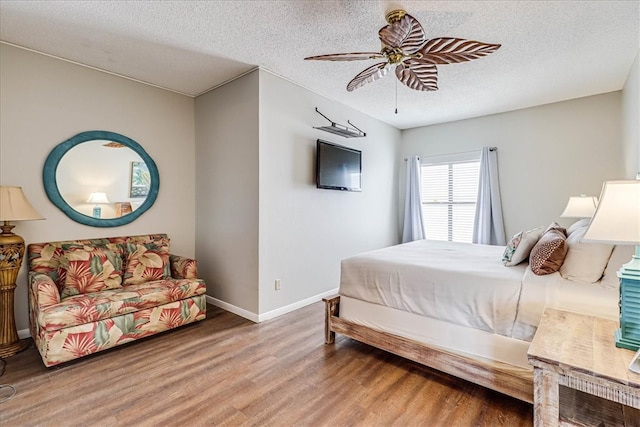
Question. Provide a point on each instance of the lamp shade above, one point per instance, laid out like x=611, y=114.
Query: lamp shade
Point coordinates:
x=580, y=207
x=97, y=198
x=14, y=206
x=617, y=218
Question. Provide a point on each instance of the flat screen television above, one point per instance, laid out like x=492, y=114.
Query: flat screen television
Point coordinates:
x=338, y=167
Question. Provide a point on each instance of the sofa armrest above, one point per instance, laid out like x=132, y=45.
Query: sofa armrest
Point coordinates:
x=43, y=291
x=182, y=267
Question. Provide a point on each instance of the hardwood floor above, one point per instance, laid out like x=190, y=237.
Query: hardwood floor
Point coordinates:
x=229, y=371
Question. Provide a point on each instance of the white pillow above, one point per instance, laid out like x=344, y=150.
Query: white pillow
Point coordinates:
x=585, y=262
x=520, y=246
x=621, y=255
x=578, y=224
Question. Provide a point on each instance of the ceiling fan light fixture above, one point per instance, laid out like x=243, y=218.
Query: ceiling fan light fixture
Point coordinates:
x=395, y=15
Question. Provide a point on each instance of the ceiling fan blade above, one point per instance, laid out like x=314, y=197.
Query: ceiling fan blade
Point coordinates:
x=418, y=74
x=405, y=33
x=449, y=50
x=368, y=75
x=355, y=56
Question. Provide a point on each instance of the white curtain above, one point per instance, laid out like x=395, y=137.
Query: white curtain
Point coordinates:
x=488, y=227
x=413, y=228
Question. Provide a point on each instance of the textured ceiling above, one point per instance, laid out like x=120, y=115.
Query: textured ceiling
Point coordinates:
x=551, y=50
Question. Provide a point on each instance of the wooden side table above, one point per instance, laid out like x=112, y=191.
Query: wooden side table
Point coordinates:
x=578, y=352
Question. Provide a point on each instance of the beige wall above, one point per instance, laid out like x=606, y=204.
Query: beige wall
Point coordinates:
x=227, y=192
x=545, y=154
x=44, y=101
x=306, y=231
x=631, y=121
x=259, y=215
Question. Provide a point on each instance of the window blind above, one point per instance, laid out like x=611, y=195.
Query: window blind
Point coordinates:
x=449, y=191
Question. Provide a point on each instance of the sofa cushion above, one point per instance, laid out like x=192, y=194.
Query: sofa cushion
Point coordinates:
x=90, y=270
x=158, y=239
x=183, y=267
x=85, y=308
x=45, y=257
x=146, y=262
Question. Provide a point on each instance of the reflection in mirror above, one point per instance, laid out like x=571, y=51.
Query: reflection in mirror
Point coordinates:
x=103, y=167
x=101, y=178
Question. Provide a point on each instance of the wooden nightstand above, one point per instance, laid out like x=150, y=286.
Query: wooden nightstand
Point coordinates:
x=578, y=352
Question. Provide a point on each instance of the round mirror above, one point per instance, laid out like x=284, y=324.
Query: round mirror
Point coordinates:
x=101, y=178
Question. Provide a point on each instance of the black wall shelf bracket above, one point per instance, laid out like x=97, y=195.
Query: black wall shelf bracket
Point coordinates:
x=342, y=130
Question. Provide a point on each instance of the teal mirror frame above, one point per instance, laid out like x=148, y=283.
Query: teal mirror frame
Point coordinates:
x=51, y=185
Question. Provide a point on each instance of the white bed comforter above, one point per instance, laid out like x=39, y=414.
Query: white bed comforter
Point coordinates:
x=467, y=285
x=463, y=284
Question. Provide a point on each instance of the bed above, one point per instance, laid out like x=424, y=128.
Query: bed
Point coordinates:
x=456, y=308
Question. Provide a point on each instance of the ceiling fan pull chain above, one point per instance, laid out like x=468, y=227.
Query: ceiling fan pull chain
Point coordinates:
x=396, y=96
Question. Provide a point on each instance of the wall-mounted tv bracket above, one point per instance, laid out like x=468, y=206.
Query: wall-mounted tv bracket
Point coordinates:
x=342, y=130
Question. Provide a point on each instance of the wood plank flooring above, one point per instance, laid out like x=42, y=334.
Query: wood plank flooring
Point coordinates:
x=227, y=370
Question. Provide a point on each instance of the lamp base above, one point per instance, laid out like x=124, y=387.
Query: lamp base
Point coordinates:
x=623, y=342
x=628, y=336
x=11, y=254
x=8, y=350
x=631, y=270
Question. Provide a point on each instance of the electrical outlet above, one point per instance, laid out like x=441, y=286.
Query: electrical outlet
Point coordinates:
x=277, y=284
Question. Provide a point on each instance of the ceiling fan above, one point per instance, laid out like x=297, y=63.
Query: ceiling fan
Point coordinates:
x=405, y=45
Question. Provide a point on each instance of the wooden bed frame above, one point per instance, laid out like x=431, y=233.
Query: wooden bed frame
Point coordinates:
x=509, y=383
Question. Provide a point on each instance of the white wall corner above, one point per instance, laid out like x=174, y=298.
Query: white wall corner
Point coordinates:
x=233, y=309
x=257, y=318
x=296, y=305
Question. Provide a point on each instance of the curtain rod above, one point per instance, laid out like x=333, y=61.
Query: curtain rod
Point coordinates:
x=461, y=152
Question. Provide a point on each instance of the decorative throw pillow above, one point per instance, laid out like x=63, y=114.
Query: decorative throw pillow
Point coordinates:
x=556, y=226
x=48, y=262
x=91, y=270
x=549, y=253
x=147, y=262
x=520, y=246
x=585, y=262
x=621, y=255
x=89, y=245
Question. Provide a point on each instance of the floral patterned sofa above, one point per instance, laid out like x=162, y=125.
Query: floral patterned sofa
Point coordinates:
x=89, y=295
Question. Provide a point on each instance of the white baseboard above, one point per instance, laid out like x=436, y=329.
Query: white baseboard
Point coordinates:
x=24, y=333
x=233, y=309
x=257, y=318
x=296, y=305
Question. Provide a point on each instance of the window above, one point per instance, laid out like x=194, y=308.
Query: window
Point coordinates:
x=449, y=189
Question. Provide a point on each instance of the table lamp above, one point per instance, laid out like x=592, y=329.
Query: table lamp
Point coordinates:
x=581, y=206
x=617, y=221
x=97, y=199
x=13, y=207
